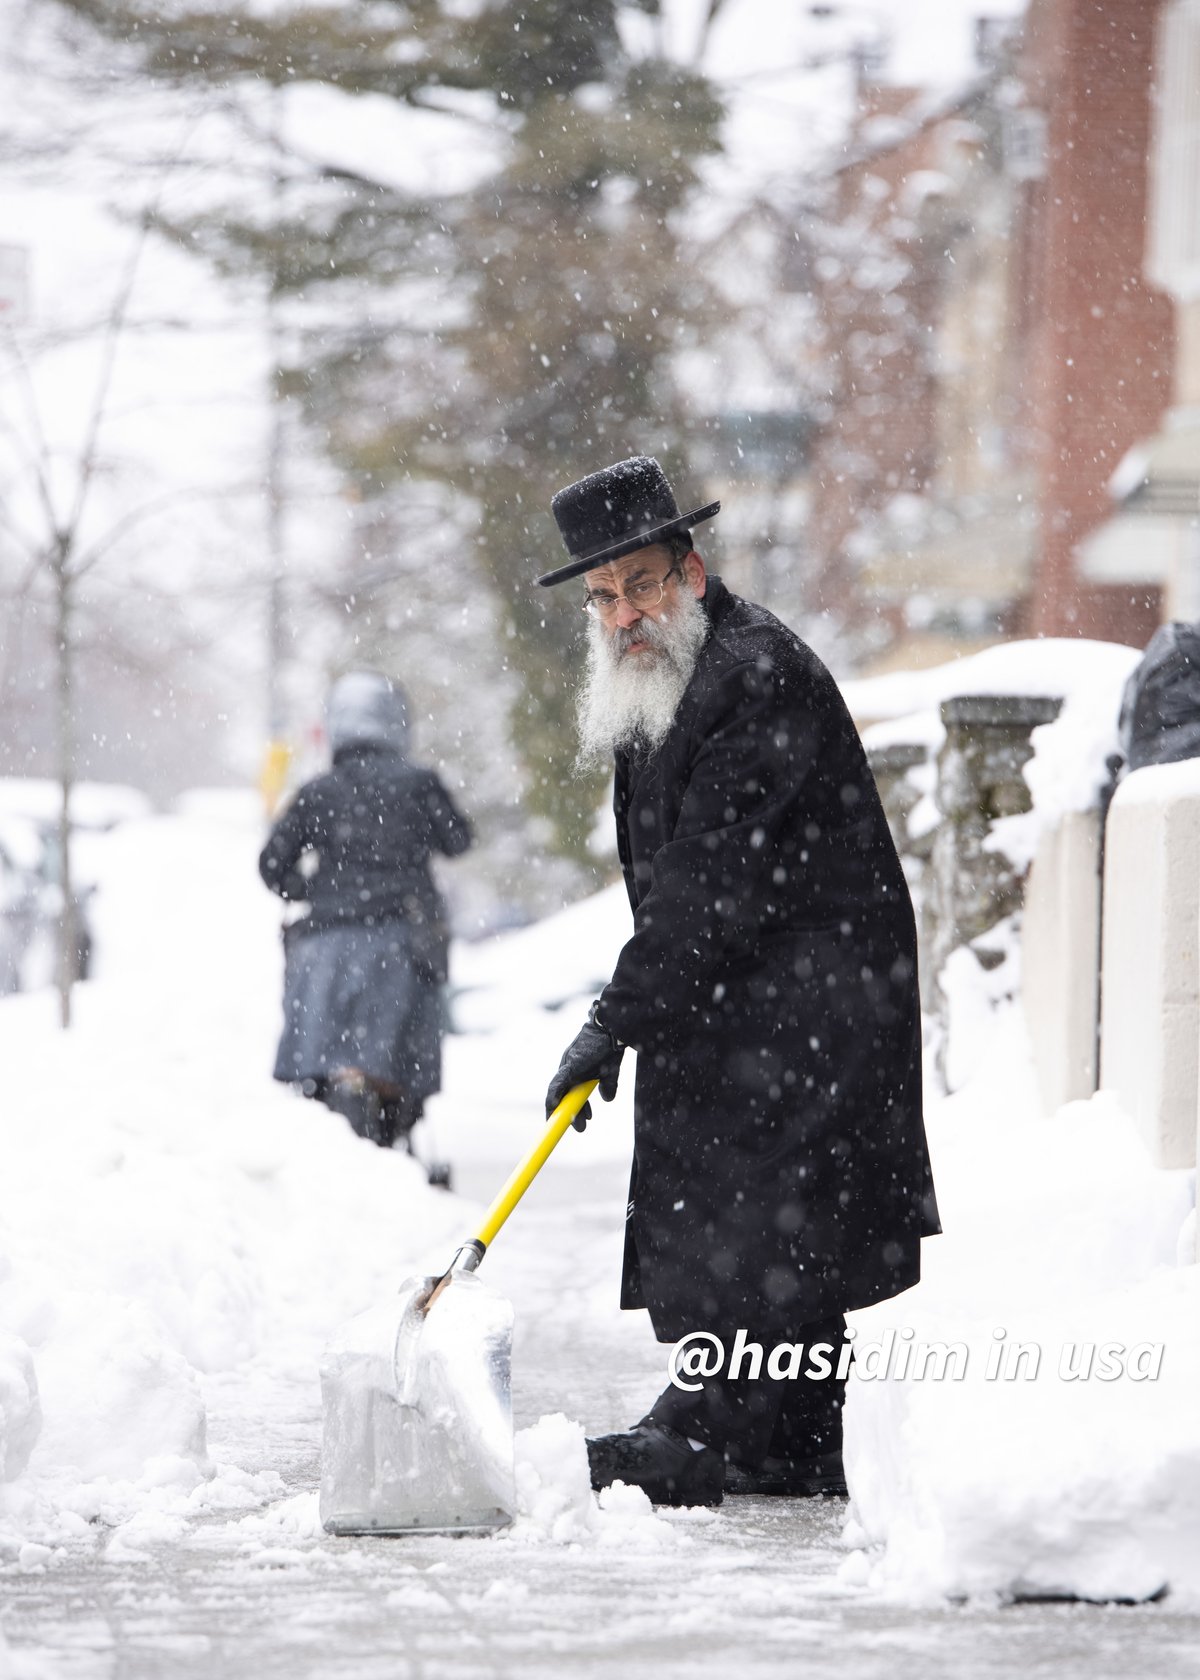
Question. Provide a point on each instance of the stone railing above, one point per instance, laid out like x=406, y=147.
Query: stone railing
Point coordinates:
x=963, y=884
x=974, y=885
x=1110, y=1000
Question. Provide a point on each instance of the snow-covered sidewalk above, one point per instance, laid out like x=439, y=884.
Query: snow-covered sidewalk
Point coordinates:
x=178, y=1236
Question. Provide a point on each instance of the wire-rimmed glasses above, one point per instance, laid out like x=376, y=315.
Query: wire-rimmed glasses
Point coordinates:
x=641, y=596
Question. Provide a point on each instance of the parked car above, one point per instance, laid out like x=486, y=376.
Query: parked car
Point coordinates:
x=31, y=907
x=18, y=910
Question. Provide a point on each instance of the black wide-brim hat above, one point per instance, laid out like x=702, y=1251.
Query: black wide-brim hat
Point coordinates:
x=612, y=512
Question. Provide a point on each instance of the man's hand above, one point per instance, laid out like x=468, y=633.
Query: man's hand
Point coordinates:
x=592, y=1054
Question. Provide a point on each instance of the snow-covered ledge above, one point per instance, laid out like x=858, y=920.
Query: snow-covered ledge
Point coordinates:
x=1150, y=986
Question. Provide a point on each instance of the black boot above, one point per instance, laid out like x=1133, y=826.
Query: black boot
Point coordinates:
x=790, y=1478
x=661, y=1461
x=400, y=1114
x=360, y=1105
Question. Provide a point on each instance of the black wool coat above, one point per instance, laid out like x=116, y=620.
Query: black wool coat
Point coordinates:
x=371, y=824
x=780, y=1167
x=363, y=968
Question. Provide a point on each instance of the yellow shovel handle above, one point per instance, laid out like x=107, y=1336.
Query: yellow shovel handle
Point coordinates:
x=524, y=1173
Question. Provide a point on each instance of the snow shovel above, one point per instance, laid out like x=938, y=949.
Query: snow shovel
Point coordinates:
x=418, y=1434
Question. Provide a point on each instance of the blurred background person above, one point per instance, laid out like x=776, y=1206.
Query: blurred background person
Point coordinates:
x=365, y=964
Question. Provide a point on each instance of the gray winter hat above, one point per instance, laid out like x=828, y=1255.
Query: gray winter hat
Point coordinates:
x=365, y=708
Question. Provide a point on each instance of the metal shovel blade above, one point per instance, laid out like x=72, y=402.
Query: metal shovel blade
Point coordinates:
x=418, y=1432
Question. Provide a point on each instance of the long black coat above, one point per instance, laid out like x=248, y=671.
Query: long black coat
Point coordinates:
x=770, y=988
x=363, y=968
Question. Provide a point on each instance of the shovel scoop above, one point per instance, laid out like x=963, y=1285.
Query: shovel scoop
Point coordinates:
x=416, y=1396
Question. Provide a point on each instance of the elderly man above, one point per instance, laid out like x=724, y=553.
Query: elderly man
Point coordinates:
x=780, y=1172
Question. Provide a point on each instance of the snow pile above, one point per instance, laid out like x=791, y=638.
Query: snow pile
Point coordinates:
x=1045, y=665
x=991, y=1479
x=517, y=1000
x=1084, y=1487
x=93, y=804
x=295, y=1518
x=171, y=1220
x=167, y=1213
x=1079, y=1478
x=556, y=1503
x=571, y=955
x=20, y=1408
x=1068, y=767
x=974, y=998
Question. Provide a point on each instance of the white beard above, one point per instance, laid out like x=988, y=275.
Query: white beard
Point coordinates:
x=630, y=699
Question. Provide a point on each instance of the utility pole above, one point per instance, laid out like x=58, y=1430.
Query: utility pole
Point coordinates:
x=68, y=939
x=276, y=547
x=278, y=755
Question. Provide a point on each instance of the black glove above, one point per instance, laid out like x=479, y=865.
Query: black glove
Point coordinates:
x=592, y=1054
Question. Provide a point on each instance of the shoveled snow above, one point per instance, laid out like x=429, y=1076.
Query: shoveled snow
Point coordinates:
x=166, y=1212
x=175, y=1230
x=557, y=1503
x=168, y=1215
x=1057, y=1231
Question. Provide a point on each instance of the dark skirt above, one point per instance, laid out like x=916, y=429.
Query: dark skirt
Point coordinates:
x=354, y=997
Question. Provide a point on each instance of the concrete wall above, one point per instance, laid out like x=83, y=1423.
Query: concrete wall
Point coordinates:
x=1060, y=959
x=1150, y=987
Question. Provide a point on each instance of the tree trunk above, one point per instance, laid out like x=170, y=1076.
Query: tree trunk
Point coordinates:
x=67, y=941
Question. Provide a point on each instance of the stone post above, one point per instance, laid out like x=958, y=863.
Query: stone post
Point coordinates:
x=979, y=780
x=899, y=792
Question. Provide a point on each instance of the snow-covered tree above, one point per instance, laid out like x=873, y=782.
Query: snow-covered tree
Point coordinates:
x=494, y=330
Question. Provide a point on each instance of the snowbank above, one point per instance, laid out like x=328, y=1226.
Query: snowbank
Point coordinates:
x=1080, y=1486
x=93, y=804
x=167, y=1213
x=1068, y=767
x=20, y=1408
x=1044, y=665
x=991, y=1479
x=1079, y=1478
x=172, y=1220
x=517, y=1000
x=556, y=1503
x=568, y=956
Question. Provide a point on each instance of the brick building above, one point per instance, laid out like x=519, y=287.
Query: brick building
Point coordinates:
x=995, y=348
x=1097, y=336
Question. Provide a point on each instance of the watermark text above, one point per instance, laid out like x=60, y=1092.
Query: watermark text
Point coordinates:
x=898, y=1356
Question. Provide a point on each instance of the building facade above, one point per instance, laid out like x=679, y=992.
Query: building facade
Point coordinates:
x=996, y=342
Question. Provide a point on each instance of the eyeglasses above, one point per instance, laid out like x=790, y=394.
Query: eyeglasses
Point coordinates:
x=602, y=603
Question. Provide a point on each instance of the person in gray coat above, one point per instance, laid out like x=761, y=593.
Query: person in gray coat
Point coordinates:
x=362, y=1006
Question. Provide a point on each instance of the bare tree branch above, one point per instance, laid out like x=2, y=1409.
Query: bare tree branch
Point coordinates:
x=41, y=460
x=97, y=550
x=712, y=12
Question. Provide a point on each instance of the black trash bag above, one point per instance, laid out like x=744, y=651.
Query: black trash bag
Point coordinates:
x=1160, y=707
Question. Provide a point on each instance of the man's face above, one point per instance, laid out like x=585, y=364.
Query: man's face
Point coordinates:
x=641, y=653
x=652, y=565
